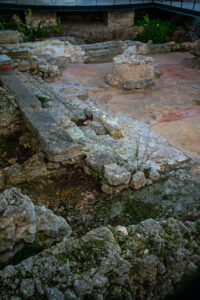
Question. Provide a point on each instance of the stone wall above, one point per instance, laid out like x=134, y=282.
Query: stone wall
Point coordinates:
x=36, y=17
x=44, y=58
x=119, y=19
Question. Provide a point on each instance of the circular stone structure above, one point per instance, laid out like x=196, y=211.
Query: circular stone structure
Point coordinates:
x=131, y=71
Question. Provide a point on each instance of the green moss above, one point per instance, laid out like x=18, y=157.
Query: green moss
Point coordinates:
x=198, y=228
x=122, y=209
x=5, y=147
x=27, y=251
x=43, y=100
x=167, y=197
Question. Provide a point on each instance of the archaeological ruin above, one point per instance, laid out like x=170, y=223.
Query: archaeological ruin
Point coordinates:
x=99, y=150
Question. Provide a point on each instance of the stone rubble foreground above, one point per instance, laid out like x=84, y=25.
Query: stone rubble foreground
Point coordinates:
x=23, y=223
x=142, y=261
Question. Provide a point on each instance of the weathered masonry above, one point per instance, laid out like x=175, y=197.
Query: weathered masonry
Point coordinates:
x=117, y=13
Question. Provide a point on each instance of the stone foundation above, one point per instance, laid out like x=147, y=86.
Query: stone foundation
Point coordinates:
x=5, y=64
x=38, y=16
x=131, y=71
x=119, y=19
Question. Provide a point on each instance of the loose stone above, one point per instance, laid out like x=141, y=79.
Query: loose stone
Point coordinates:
x=116, y=175
x=138, y=180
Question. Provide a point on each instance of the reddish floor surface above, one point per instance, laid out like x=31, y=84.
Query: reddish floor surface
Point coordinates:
x=174, y=97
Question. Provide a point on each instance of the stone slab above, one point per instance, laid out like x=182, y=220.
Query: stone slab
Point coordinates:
x=54, y=140
x=184, y=134
x=24, y=98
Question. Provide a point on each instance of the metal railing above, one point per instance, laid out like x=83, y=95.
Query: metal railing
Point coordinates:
x=183, y=4
x=191, y=5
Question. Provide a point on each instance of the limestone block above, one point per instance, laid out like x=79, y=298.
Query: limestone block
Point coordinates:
x=21, y=222
x=97, y=127
x=17, y=222
x=119, y=19
x=138, y=180
x=116, y=175
x=111, y=126
x=50, y=226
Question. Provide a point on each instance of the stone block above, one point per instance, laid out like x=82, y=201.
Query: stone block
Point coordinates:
x=23, y=223
x=119, y=19
x=5, y=60
x=54, y=139
x=111, y=126
x=10, y=37
x=25, y=99
x=5, y=63
x=116, y=175
x=138, y=180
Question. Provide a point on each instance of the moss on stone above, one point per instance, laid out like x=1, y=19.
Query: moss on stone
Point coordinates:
x=43, y=100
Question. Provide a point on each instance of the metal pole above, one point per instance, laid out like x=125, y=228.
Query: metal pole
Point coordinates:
x=194, y=4
x=181, y=3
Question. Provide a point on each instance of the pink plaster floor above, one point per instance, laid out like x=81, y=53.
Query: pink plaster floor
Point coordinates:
x=171, y=106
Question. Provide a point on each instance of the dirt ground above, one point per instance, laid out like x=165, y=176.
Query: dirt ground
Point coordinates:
x=171, y=106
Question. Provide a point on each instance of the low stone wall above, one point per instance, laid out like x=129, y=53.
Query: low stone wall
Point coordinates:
x=100, y=52
x=102, y=33
x=44, y=58
x=47, y=57
x=10, y=120
x=149, y=48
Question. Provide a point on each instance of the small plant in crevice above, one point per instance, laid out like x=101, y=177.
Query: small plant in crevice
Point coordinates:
x=32, y=31
x=43, y=100
x=140, y=160
x=1, y=26
x=58, y=27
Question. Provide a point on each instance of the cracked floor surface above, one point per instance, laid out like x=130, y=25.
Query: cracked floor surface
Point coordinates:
x=171, y=106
